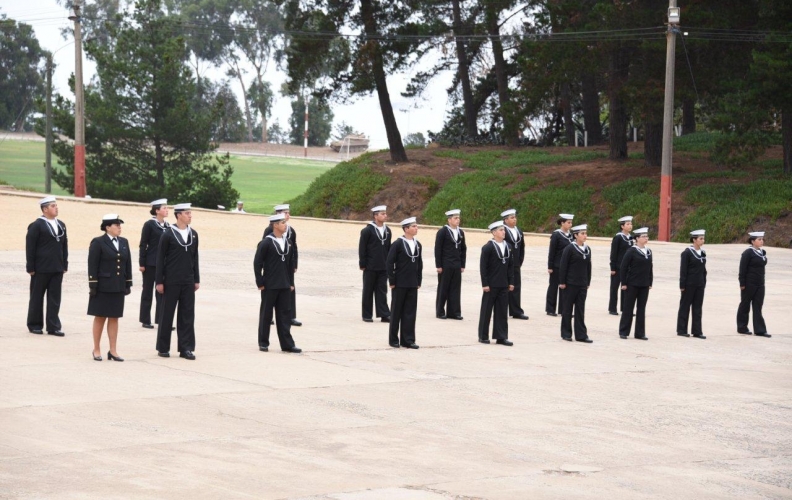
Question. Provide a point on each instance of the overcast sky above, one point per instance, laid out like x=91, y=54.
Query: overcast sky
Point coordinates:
x=412, y=115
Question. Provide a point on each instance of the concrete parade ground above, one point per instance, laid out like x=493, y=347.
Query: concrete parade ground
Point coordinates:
x=352, y=418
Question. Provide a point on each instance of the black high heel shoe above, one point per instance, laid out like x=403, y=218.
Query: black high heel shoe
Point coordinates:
x=96, y=358
x=113, y=358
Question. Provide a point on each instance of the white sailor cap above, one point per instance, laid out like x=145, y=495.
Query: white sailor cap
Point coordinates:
x=697, y=232
x=111, y=217
x=757, y=234
x=161, y=201
x=281, y=208
x=48, y=199
x=379, y=208
x=641, y=230
x=495, y=225
x=240, y=202
x=582, y=227
x=220, y=207
x=566, y=216
x=453, y=212
x=277, y=217
x=626, y=218
x=408, y=221
x=508, y=212
x=181, y=207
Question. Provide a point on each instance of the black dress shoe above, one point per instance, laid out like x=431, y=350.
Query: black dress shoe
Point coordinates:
x=263, y=348
x=385, y=319
x=295, y=350
x=163, y=354
x=441, y=316
x=642, y=338
x=484, y=341
x=56, y=333
x=552, y=314
x=147, y=325
x=411, y=346
x=683, y=334
x=37, y=331
x=396, y=345
x=520, y=316
x=586, y=341
x=623, y=336
x=699, y=336
x=568, y=339
x=765, y=334
x=458, y=318
x=113, y=358
x=294, y=322
x=613, y=313
x=95, y=357
x=187, y=355
x=368, y=320
x=504, y=342
x=746, y=332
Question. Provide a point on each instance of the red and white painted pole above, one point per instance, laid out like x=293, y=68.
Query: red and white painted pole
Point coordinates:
x=664, y=223
x=79, y=109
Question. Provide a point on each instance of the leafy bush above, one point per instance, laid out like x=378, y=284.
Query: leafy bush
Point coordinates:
x=736, y=149
x=699, y=141
x=639, y=197
x=499, y=159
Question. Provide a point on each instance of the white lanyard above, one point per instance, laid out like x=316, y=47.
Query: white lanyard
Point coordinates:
x=760, y=254
x=454, y=237
x=282, y=252
x=189, y=237
x=585, y=252
x=407, y=248
x=51, y=231
x=503, y=256
x=383, y=235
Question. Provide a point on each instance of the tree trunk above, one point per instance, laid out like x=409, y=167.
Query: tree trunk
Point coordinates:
x=463, y=73
x=509, y=130
x=397, y=152
x=248, y=119
x=653, y=144
x=619, y=70
x=591, y=109
x=159, y=162
x=786, y=133
x=264, y=138
x=566, y=106
x=688, y=116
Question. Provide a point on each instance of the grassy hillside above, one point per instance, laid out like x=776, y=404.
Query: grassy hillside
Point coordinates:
x=262, y=181
x=540, y=183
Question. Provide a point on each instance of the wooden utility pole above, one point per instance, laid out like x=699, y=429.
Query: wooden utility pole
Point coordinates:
x=48, y=153
x=305, y=134
x=79, y=107
x=664, y=229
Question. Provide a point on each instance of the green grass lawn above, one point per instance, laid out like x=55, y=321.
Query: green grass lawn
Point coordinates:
x=261, y=181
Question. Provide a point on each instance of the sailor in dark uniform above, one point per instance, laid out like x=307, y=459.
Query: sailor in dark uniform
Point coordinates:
x=637, y=276
x=273, y=266
x=559, y=240
x=516, y=242
x=178, y=278
x=109, y=281
x=619, y=246
x=752, y=286
x=153, y=230
x=497, y=280
x=373, y=248
x=291, y=235
x=404, y=265
x=47, y=259
x=692, y=281
x=574, y=278
x=450, y=256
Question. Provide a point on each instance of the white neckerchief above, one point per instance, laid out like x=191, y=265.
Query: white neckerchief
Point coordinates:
x=55, y=227
x=162, y=226
x=761, y=253
x=454, y=235
x=644, y=251
x=382, y=232
x=502, y=250
x=411, y=246
x=186, y=235
x=585, y=251
x=281, y=245
x=113, y=240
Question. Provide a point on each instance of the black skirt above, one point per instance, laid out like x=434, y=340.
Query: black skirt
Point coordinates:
x=106, y=305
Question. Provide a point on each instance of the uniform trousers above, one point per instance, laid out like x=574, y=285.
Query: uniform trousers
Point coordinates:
x=280, y=300
x=751, y=298
x=375, y=289
x=48, y=284
x=449, y=291
x=616, y=294
x=292, y=304
x=183, y=297
x=692, y=298
x=404, y=308
x=497, y=300
x=635, y=298
x=553, y=293
x=574, y=297
x=515, y=308
x=146, y=296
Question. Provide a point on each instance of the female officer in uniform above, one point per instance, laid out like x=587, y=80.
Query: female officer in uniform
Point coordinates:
x=559, y=240
x=692, y=281
x=153, y=230
x=752, y=286
x=109, y=280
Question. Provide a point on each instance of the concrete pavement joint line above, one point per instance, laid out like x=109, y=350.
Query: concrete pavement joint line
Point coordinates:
x=212, y=375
